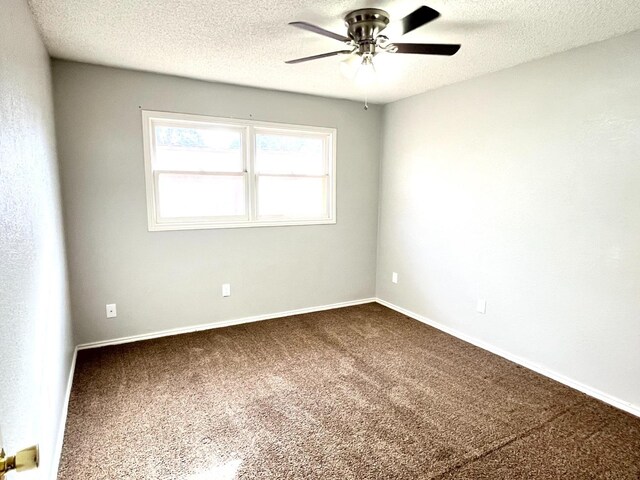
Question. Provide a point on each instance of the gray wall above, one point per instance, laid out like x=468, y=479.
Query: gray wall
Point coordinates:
x=523, y=187
x=162, y=280
x=36, y=345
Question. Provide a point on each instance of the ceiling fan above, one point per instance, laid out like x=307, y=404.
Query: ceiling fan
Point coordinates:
x=364, y=40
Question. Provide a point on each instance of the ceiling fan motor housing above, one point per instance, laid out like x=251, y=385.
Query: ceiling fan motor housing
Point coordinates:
x=364, y=25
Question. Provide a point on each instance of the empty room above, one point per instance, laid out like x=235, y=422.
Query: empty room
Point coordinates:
x=319, y=240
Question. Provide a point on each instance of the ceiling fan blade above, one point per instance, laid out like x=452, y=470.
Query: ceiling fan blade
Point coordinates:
x=427, y=48
x=320, y=31
x=418, y=18
x=315, y=57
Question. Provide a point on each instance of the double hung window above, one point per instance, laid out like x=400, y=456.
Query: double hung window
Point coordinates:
x=205, y=172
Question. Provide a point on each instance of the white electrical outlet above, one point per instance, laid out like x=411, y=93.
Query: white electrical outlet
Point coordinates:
x=226, y=289
x=394, y=277
x=111, y=310
x=481, y=306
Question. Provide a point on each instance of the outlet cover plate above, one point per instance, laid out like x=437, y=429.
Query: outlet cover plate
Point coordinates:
x=111, y=310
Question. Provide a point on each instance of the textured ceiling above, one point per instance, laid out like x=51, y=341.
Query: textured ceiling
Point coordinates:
x=246, y=42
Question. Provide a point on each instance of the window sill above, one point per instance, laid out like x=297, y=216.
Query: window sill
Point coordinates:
x=163, y=227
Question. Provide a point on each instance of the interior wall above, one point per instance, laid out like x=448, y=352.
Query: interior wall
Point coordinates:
x=164, y=280
x=522, y=188
x=35, y=324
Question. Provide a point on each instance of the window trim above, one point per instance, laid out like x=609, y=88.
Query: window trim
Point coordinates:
x=251, y=176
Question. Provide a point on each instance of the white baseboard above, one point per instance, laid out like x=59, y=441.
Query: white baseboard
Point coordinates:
x=223, y=323
x=63, y=418
x=592, y=392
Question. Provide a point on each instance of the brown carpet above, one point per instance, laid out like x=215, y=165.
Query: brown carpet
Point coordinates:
x=354, y=393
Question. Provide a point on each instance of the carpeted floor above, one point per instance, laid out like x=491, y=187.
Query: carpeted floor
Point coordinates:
x=354, y=393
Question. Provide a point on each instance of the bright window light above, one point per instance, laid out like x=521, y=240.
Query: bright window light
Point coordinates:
x=205, y=172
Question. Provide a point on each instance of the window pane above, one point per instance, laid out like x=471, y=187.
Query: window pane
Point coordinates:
x=288, y=154
x=198, y=149
x=200, y=195
x=292, y=197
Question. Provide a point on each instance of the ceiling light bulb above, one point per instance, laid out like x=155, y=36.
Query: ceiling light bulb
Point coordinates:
x=349, y=66
x=366, y=74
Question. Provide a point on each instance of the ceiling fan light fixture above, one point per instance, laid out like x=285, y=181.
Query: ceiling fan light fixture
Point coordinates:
x=366, y=75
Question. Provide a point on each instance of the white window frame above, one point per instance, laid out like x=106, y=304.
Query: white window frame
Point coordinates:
x=249, y=129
